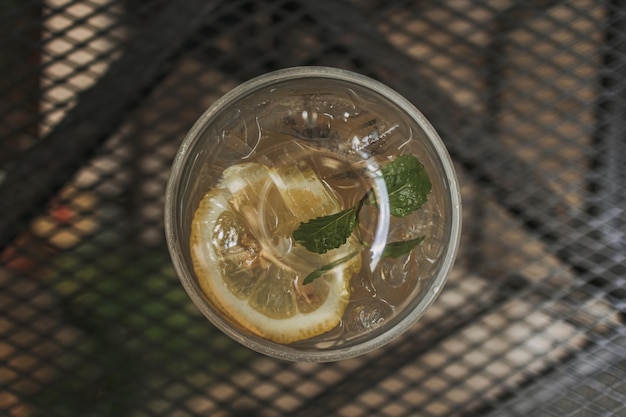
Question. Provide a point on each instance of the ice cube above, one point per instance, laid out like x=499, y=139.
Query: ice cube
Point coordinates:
x=395, y=272
x=367, y=315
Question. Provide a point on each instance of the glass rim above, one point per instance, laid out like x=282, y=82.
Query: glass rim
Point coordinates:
x=285, y=352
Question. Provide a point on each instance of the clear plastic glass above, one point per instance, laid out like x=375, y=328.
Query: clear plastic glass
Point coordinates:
x=348, y=127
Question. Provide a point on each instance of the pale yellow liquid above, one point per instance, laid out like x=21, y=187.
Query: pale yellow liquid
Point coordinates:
x=346, y=148
x=376, y=294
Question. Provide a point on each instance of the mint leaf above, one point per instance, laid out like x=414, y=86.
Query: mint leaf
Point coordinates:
x=321, y=271
x=321, y=234
x=407, y=185
x=397, y=249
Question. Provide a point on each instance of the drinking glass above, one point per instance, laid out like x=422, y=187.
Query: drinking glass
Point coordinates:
x=351, y=125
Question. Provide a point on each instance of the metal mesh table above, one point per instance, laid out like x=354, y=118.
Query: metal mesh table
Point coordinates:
x=529, y=97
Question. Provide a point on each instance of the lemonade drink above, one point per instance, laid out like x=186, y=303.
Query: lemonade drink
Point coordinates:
x=300, y=243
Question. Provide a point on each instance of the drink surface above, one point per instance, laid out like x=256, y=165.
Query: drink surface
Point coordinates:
x=345, y=143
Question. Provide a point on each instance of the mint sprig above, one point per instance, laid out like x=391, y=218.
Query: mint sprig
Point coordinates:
x=407, y=189
x=407, y=185
x=404, y=247
x=321, y=234
x=324, y=269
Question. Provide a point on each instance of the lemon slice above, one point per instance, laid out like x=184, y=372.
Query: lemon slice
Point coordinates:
x=248, y=265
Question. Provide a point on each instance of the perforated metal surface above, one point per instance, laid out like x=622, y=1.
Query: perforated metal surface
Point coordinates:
x=529, y=97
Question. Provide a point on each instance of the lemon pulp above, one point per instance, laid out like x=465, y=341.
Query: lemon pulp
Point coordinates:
x=249, y=267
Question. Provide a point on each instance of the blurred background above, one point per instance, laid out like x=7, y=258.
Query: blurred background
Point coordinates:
x=528, y=96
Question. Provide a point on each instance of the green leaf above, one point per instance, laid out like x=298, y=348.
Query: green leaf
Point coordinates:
x=407, y=185
x=321, y=234
x=397, y=249
x=324, y=269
